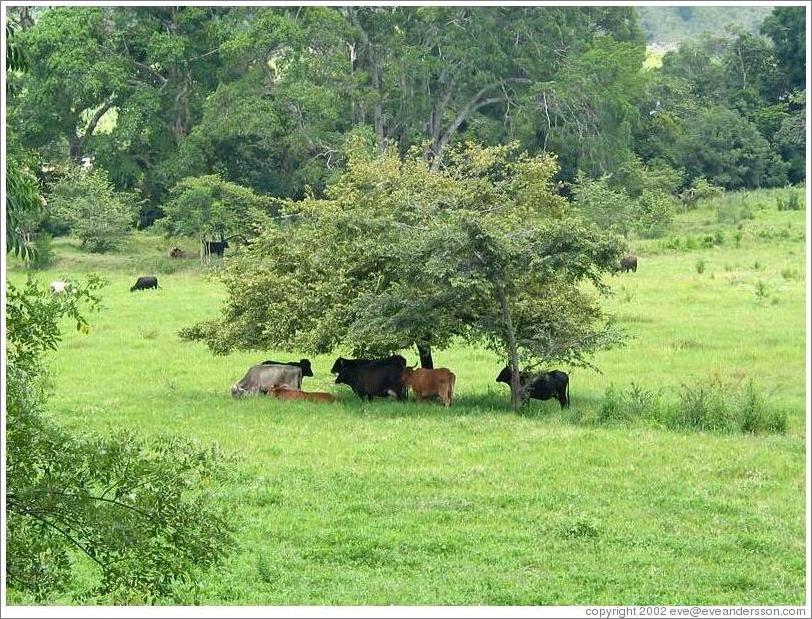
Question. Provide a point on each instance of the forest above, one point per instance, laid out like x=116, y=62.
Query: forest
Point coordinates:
x=457, y=186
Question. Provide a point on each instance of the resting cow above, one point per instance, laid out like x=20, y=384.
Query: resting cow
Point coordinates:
x=542, y=386
x=628, y=263
x=177, y=252
x=427, y=383
x=371, y=380
x=285, y=393
x=261, y=378
x=302, y=363
x=58, y=287
x=145, y=282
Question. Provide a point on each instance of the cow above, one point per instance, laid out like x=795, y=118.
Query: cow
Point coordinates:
x=285, y=393
x=628, y=263
x=177, y=252
x=260, y=379
x=302, y=363
x=144, y=282
x=542, y=386
x=59, y=287
x=373, y=380
x=427, y=383
x=394, y=360
x=216, y=248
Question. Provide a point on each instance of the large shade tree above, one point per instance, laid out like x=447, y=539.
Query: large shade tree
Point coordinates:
x=401, y=254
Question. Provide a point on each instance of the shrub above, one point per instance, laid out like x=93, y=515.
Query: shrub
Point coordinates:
x=754, y=416
x=792, y=203
x=87, y=202
x=702, y=409
x=700, y=266
x=652, y=213
x=43, y=255
x=761, y=289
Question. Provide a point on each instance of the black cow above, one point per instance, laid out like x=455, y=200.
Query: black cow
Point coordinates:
x=216, y=248
x=628, y=263
x=542, y=386
x=145, y=282
x=371, y=380
x=303, y=363
x=397, y=361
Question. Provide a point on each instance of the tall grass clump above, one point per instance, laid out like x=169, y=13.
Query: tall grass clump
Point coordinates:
x=715, y=409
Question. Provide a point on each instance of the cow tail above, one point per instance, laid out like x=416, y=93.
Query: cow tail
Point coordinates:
x=451, y=388
x=568, y=391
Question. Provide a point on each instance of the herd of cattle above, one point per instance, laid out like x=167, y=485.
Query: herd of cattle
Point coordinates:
x=386, y=377
x=371, y=378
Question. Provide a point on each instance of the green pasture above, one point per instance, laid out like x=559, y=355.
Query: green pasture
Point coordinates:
x=400, y=503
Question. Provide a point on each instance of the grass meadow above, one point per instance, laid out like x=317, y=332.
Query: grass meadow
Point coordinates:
x=400, y=503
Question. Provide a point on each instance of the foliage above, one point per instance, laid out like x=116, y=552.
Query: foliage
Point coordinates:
x=129, y=506
x=786, y=26
x=23, y=202
x=87, y=201
x=725, y=148
x=399, y=253
x=207, y=207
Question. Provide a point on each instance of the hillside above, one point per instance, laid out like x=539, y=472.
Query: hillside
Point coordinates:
x=667, y=26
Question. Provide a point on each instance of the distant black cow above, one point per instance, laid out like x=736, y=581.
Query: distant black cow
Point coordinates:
x=303, y=363
x=628, y=263
x=543, y=386
x=216, y=248
x=397, y=361
x=145, y=282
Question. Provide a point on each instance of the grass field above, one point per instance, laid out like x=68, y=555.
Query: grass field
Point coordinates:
x=387, y=503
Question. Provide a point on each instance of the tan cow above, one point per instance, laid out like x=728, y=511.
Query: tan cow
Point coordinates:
x=429, y=383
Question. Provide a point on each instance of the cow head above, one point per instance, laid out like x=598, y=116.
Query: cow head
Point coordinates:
x=237, y=391
x=504, y=376
x=306, y=369
x=337, y=366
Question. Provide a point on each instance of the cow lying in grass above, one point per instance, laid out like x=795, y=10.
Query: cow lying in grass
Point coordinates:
x=286, y=393
x=429, y=383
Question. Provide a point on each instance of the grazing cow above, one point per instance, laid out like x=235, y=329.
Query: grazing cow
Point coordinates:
x=284, y=393
x=395, y=361
x=145, y=282
x=429, y=383
x=303, y=363
x=216, y=248
x=371, y=380
x=628, y=263
x=542, y=386
x=261, y=378
x=58, y=287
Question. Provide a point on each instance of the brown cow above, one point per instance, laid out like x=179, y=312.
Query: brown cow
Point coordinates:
x=429, y=383
x=285, y=393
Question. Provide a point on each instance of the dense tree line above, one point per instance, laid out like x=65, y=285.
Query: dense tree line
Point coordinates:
x=265, y=97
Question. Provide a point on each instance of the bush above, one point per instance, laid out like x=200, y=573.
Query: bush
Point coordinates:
x=652, y=213
x=792, y=203
x=754, y=416
x=86, y=201
x=702, y=409
x=700, y=266
x=43, y=254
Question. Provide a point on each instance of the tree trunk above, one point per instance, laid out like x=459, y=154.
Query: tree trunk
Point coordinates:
x=513, y=352
x=75, y=147
x=424, y=350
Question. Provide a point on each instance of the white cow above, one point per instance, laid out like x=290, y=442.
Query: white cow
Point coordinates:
x=59, y=287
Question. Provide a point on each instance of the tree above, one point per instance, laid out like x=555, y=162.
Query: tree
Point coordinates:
x=74, y=78
x=727, y=150
x=94, y=211
x=132, y=508
x=786, y=26
x=400, y=253
x=207, y=207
